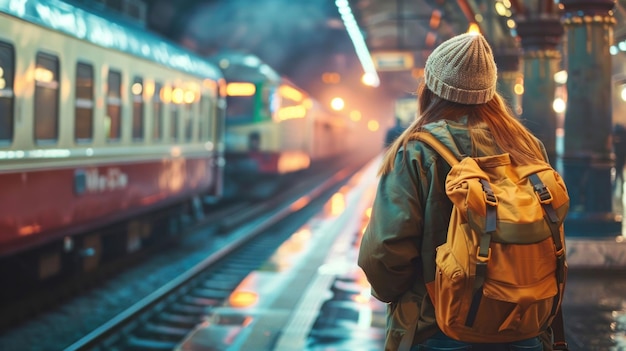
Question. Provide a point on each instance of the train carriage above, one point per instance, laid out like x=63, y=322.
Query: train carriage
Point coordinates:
x=99, y=122
x=273, y=128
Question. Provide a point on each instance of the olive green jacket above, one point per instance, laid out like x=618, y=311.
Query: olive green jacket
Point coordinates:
x=409, y=220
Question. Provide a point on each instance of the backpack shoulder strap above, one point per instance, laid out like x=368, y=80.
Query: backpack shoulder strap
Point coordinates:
x=438, y=146
x=558, y=330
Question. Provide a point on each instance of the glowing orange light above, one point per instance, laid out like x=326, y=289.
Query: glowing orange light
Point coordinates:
x=290, y=93
x=149, y=88
x=300, y=203
x=337, y=204
x=240, y=89
x=293, y=161
x=473, y=28
x=331, y=78
x=337, y=104
x=190, y=97
x=222, y=86
x=430, y=39
x=243, y=299
x=373, y=125
x=178, y=95
x=43, y=75
x=435, y=19
x=166, y=94
x=29, y=229
x=291, y=112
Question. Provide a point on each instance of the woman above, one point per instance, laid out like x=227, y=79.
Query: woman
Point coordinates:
x=460, y=106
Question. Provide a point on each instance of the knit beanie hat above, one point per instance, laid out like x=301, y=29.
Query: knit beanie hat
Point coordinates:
x=462, y=69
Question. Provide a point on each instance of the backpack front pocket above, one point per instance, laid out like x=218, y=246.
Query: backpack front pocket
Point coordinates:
x=451, y=285
x=518, y=309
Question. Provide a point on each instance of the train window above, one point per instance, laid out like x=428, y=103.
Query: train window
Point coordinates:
x=157, y=109
x=7, y=73
x=83, y=129
x=113, y=120
x=270, y=103
x=205, y=117
x=174, y=122
x=189, y=117
x=46, y=98
x=240, y=109
x=137, y=91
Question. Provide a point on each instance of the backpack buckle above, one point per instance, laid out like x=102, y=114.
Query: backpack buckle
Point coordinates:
x=483, y=259
x=545, y=197
x=490, y=197
x=560, y=345
x=559, y=253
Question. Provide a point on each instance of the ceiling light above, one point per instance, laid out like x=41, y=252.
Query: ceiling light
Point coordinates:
x=360, y=47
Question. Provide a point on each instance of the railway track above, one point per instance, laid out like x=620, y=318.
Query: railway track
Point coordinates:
x=219, y=254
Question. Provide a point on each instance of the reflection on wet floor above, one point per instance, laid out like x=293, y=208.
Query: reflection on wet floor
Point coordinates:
x=594, y=309
x=350, y=319
x=346, y=324
x=595, y=301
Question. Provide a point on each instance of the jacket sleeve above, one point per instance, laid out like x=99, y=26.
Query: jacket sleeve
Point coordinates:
x=389, y=250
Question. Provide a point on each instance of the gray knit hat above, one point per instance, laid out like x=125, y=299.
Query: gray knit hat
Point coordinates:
x=462, y=69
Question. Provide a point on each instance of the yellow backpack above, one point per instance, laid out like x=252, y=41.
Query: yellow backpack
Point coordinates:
x=501, y=272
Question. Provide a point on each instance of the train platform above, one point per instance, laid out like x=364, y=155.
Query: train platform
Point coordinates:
x=311, y=296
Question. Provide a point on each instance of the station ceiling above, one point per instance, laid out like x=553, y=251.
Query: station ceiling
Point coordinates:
x=417, y=26
x=302, y=39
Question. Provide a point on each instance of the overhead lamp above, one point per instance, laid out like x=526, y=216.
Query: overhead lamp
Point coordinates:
x=337, y=104
x=360, y=47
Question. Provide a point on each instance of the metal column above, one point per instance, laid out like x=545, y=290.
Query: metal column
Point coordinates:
x=540, y=33
x=587, y=161
x=508, y=75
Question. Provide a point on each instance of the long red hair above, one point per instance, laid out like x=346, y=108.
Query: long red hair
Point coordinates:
x=509, y=133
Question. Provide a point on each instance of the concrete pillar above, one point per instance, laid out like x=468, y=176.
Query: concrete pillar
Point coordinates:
x=508, y=75
x=540, y=36
x=587, y=161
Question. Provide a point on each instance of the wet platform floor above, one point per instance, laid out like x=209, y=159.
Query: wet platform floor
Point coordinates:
x=311, y=296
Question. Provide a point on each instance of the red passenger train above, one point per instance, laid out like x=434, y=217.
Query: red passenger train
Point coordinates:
x=99, y=122
x=102, y=124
